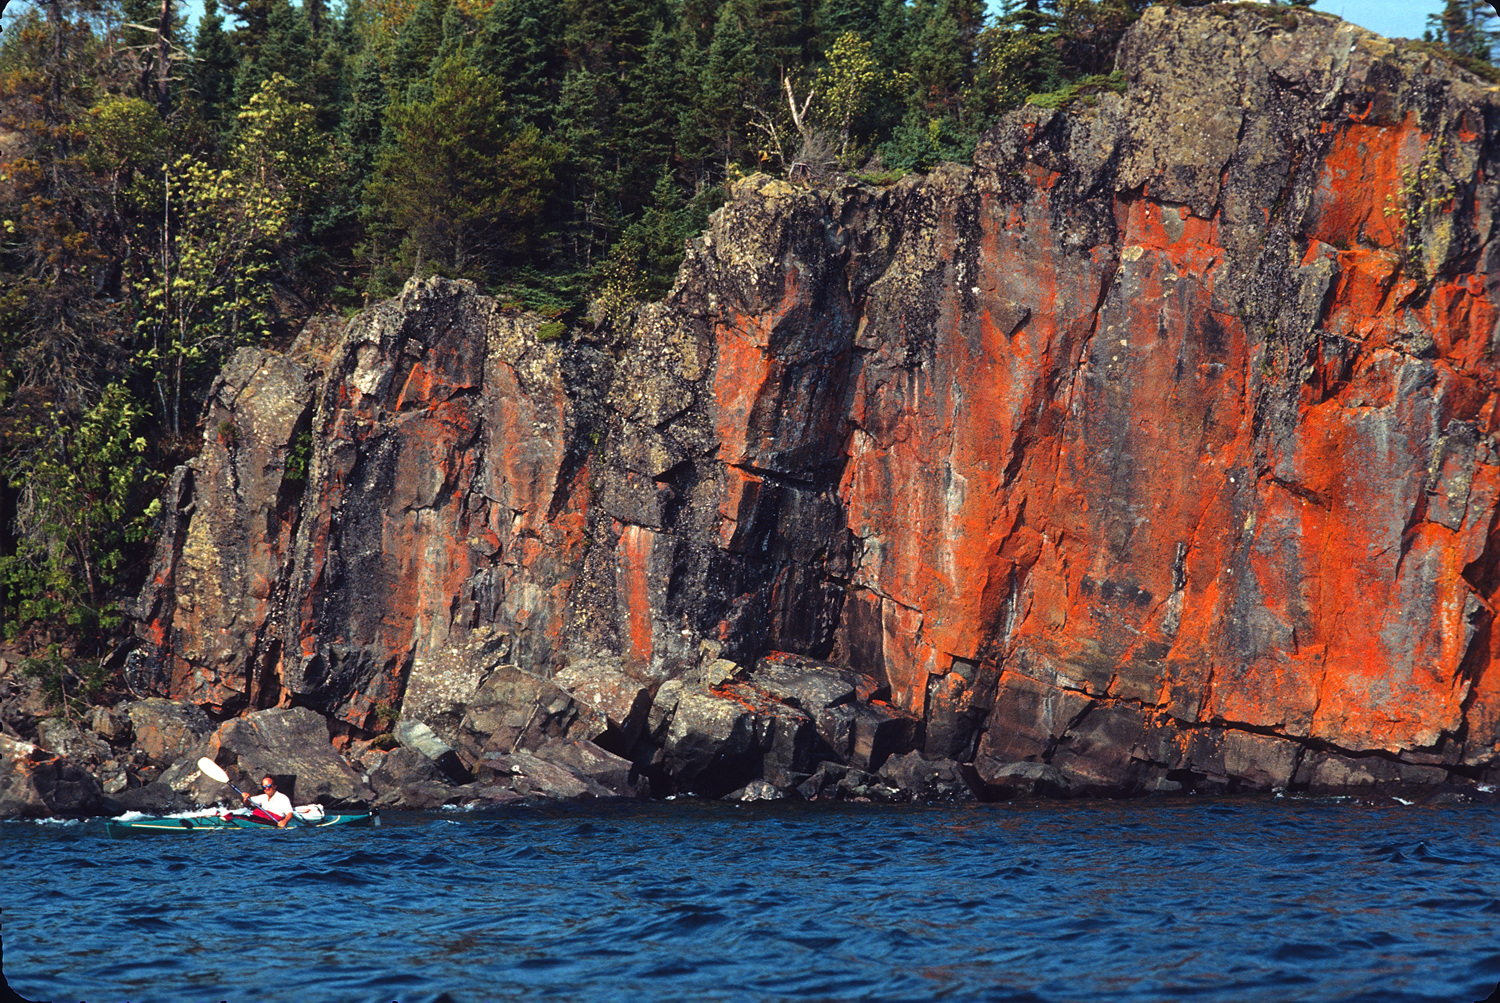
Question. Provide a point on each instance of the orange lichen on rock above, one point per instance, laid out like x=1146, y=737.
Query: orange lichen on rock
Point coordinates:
x=1160, y=448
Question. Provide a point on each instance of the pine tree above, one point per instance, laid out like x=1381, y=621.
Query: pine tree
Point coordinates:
x=364, y=117
x=652, y=92
x=735, y=74
x=285, y=49
x=1471, y=28
x=210, y=75
x=519, y=43
x=458, y=186
x=410, y=61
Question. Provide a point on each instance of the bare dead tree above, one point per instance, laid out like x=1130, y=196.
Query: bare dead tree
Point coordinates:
x=157, y=57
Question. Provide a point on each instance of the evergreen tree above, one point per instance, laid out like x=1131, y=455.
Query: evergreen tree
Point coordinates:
x=585, y=122
x=735, y=75
x=840, y=17
x=326, y=80
x=210, y=75
x=284, y=50
x=651, y=92
x=411, y=56
x=1471, y=28
x=458, y=187
x=519, y=42
x=364, y=116
x=941, y=61
x=253, y=23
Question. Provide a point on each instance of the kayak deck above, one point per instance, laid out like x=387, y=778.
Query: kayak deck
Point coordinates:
x=120, y=828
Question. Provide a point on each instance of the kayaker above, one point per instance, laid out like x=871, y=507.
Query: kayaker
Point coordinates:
x=272, y=803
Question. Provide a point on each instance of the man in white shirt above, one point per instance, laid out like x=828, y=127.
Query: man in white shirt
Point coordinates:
x=272, y=804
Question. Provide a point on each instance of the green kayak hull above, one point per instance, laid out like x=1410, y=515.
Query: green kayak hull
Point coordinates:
x=120, y=828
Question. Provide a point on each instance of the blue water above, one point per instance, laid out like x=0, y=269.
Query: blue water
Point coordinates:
x=1234, y=901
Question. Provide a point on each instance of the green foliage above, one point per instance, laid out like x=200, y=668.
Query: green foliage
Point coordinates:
x=918, y=144
x=551, y=331
x=210, y=75
x=298, y=457
x=125, y=138
x=81, y=485
x=69, y=688
x=1085, y=88
x=880, y=179
x=225, y=228
x=459, y=185
x=1043, y=48
x=1470, y=30
x=1423, y=196
x=849, y=82
x=650, y=250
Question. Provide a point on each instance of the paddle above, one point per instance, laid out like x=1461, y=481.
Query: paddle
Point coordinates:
x=213, y=771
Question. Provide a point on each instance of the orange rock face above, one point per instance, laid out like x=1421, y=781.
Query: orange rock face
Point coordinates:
x=1158, y=450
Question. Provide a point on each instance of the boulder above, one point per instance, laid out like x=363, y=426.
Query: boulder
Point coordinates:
x=114, y=728
x=35, y=783
x=531, y=776
x=408, y=779
x=757, y=790
x=881, y=731
x=516, y=710
x=65, y=738
x=167, y=730
x=712, y=743
x=613, y=772
x=1324, y=772
x=417, y=737
x=840, y=782
x=291, y=744
x=1002, y=781
x=22, y=702
x=780, y=721
x=401, y=767
x=827, y=694
x=623, y=700
x=155, y=798
x=926, y=779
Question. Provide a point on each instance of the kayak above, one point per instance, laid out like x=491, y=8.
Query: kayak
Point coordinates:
x=120, y=828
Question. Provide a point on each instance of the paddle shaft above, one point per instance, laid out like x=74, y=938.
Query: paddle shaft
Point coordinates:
x=214, y=771
x=264, y=811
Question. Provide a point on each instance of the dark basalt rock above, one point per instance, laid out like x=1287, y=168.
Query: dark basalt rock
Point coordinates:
x=1150, y=453
x=155, y=798
x=926, y=779
x=167, y=730
x=291, y=744
x=37, y=784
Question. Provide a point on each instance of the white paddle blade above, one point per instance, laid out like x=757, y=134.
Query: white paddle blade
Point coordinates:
x=210, y=769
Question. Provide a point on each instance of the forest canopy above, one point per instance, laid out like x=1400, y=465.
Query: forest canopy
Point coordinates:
x=172, y=191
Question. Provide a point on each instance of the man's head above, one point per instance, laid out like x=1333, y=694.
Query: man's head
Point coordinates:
x=268, y=784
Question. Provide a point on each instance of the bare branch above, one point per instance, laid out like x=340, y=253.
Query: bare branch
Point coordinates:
x=798, y=114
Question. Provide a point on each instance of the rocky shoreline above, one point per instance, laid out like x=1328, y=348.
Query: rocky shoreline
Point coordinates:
x=793, y=728
x=801, y=730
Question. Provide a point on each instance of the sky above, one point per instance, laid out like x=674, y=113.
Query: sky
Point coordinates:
x=1391, y=18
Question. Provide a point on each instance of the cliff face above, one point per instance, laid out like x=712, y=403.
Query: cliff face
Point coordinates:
x=1159, y=448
